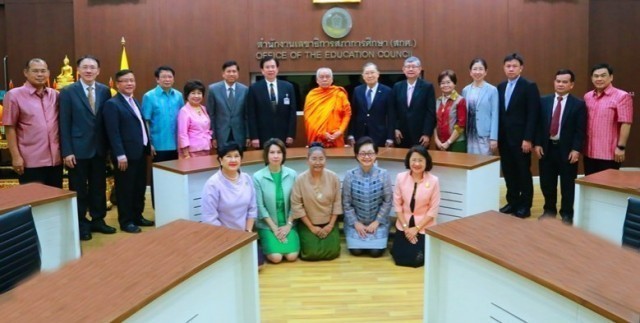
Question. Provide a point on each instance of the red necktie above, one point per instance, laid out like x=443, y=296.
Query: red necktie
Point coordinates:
x=555, y=119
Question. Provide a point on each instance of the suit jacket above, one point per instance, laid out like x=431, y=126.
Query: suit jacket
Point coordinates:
x=123, y=129
x=226, y=118
x=572, y=125
x=379, y=121
x=419, y=118
x=487, y=112
x=82, y=131
x=518, y=121
x=264, y=123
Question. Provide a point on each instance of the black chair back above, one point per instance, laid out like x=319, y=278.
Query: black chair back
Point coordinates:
x=19, y=247
x=631, y=228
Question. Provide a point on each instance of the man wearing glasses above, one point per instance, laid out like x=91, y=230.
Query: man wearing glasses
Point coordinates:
x=129, y=141
x=83, y=145
x=414, y=101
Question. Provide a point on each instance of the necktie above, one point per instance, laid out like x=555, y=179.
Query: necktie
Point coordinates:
x=555, y=118
x=369, y=98
x=507, y=94
x=134, y=107
x=92, y=99
x=409, y=94
x=272, y=94
x=231, y=98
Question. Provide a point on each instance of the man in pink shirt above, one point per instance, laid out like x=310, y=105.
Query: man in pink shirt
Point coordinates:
x=31, y=124
x=609, y=117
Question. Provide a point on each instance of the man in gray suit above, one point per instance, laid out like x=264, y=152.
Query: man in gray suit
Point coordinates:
x=83, y=145
x=226, y=106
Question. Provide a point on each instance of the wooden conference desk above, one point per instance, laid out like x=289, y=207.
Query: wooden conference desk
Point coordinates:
x=183, y=272
x=56, y=219
x=601, y=202
x=494, y=267
x=468, y=183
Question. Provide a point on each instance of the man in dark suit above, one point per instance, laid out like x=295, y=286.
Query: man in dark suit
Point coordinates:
x=414, y=101
x=83, y=145
x=559, y=142
x=226, y=104
x=271, y=106
x=372, y=112
x=519, y=106
x=129, y=142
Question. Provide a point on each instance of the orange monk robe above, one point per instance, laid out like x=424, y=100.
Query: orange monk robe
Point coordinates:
x=326, y=110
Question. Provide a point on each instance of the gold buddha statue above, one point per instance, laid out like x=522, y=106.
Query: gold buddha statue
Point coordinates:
x=66, y=75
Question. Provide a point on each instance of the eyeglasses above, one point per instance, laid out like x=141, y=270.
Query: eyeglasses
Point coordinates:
x=366, y=154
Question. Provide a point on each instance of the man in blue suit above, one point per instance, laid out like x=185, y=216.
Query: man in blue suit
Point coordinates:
x=271, y=106
x=519, y=107
x=559, y=141
x=226, y=104
x=129, y=143
x=83, y=145
x=372, y=112
x=414, y=101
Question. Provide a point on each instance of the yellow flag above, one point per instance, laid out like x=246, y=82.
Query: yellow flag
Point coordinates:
x=124, y=62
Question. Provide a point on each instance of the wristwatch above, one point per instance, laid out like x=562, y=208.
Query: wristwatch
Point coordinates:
x=621, y=147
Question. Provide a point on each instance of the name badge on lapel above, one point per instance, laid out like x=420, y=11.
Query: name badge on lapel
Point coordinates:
x=286, y=100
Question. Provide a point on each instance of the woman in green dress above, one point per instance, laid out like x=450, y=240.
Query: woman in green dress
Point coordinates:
x=273, y=186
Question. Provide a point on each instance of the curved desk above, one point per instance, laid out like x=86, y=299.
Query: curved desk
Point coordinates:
x=183, y=272
x=601, y=202
x=496, y=268
x=469, y=184
x=56, y=218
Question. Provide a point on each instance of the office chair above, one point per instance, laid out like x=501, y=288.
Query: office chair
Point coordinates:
x=631, y=227
x=19, y=247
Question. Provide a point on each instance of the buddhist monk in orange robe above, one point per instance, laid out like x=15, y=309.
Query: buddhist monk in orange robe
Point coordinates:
x=327, y=111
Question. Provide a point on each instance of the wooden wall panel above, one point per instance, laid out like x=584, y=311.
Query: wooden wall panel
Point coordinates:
x=550, y=35
x=614, y=39
x=38, y=28
x=193, y=37
x=469, y=29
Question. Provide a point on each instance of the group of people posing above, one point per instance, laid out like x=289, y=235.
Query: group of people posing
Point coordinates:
x=83, y=123
x=296, y=214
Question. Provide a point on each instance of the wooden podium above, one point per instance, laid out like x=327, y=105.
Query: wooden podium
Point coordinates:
x=495, y=267
x=182, y=272
x=468, y=183
x=56, y=218
x=601, y=202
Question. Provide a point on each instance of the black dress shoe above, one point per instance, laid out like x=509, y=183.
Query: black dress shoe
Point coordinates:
x=85, y=235
x=130, y=228
x=567, y=219
x=144, y=222
x=102, y=227
x=508, y=209
x=547, y=215
x=522, y=213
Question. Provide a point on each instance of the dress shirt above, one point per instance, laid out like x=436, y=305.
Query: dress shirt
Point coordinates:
x=511, y=84
x=35, y=119
x=605, y=112
x=160, y=108
x=563, y=104
x=374, y=90
x=275, y=88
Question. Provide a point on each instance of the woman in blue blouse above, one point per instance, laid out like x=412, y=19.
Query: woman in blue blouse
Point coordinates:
x=482, y=109
x=367, y=198
x=273, y=186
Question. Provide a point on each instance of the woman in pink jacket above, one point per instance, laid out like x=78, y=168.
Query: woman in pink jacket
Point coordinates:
x=194, y=124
